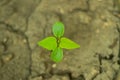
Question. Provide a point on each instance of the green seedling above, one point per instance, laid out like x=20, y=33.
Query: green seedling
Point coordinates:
x=57, y=43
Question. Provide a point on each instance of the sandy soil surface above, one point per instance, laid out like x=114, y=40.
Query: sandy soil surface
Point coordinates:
x=94, y=24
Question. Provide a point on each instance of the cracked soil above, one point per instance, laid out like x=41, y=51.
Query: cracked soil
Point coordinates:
x=94, y=24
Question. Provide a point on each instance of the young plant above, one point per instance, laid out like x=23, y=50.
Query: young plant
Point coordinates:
x=57, y=43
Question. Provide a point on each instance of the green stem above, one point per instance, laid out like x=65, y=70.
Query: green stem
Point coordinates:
x=58, y=41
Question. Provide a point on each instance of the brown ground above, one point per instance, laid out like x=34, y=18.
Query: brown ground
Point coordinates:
x=94, y=24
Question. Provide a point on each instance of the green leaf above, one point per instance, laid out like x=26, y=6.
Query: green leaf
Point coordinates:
x=48, y=43
x=58, y=29
x=57, y=55
x=68, y=44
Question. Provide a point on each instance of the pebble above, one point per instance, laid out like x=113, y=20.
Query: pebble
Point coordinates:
x=6, y=58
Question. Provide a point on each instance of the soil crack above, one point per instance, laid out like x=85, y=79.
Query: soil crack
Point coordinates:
x=10, y=28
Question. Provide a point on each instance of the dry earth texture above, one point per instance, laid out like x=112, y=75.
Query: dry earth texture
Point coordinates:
x=94, y=24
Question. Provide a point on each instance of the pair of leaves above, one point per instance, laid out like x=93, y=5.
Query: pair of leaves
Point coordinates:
x=50, y=43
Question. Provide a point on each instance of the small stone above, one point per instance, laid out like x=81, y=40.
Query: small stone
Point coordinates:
x=5, y=40
x=24, y=41
x=6, y=58
x=37, y=78
x=93, y=72
x=54, y=65
x=97, y=31
x=62, y=11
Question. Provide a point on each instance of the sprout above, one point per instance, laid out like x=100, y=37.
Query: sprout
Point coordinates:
x=57, y=43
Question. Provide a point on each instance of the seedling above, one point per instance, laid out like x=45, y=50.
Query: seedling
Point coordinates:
x=57, y=43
